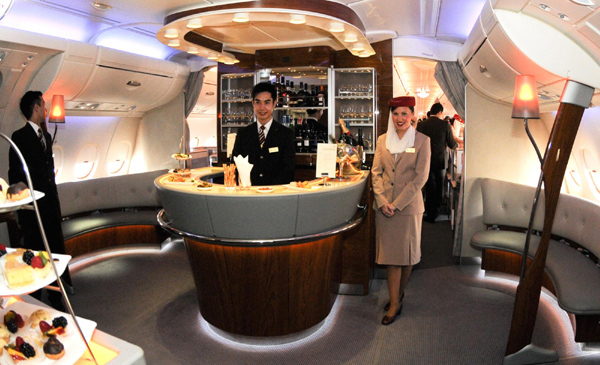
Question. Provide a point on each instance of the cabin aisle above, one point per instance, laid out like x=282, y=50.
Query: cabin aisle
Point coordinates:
x=452, y=315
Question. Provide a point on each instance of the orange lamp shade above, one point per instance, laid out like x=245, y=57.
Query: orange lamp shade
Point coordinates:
x=526, y=104
x=57, y=109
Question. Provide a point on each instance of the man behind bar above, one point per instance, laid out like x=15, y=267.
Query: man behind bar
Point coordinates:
x=268, y=144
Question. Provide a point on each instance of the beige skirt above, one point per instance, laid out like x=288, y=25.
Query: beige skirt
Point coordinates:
x=398, y=239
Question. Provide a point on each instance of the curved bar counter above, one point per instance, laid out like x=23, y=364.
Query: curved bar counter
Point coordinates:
x=264, y=264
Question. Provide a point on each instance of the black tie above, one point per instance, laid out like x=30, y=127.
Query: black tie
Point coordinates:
x=41, y=137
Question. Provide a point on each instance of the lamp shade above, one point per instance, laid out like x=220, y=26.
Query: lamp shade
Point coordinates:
x=57, y=109
x=526, y=104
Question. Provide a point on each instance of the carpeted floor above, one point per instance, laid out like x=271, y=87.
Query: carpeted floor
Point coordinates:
x=452, y=315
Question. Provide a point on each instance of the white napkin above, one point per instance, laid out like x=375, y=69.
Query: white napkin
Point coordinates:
x=244, y=169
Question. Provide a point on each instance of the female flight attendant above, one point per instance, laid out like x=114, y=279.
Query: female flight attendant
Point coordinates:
x=400, y=170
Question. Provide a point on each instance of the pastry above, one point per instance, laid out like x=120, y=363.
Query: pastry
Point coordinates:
x=39, y=315
x=18, y=191
x=54, y=349
x=4, y=334
x=3, y=190
x=15, y=256
x=19, y=274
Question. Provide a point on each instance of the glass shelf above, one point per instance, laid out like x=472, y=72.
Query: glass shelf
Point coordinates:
x=236, y=100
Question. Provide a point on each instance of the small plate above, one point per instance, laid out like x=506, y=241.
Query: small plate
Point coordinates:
x=265, y=190
x=204, y=188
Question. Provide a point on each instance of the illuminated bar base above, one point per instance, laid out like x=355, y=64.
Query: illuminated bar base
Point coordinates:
x=266, y=291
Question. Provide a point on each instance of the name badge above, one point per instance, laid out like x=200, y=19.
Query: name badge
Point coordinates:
x=410, y=150
x=276, y=149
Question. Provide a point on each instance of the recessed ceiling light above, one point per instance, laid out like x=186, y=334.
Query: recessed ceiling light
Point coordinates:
x=336, y=27
x=194, y=23
x=173, y=43
x=100, y=6
x=297, y=19
x=545, y=7
x=171, y=33
x=350, y=38
x=358, y=46
x=193, y=50
x=241, y=17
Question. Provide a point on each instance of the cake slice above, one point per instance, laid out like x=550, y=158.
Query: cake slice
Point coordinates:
x=19, y=274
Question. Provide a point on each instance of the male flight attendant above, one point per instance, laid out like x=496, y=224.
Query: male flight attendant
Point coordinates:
x=268, y=144
x=35, y=145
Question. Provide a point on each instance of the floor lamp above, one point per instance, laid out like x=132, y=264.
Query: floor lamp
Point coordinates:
x=575, y=98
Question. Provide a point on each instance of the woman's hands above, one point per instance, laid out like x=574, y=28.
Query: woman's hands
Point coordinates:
x=388, y=210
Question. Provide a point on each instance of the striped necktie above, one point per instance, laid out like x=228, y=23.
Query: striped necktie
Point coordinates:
x=261, y=135
x=41, y=137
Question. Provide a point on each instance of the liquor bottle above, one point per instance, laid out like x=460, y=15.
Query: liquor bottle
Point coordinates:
x=320, y=97
x=299, y=141
x=332, y=139
x=286, y=94
x=348, y=139
x=293, y=99
x=300, y=95
x=313, y=96
x=281, y=93
x=306, y=137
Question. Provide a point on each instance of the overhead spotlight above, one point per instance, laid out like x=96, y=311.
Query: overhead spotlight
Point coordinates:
x=350, y=38
x=228, y=61
x=194, y=23
x=171, y=33
x=100, y=6
x=358, y=47
x=336, y=27
x=213, y=56
x=173, y=43
x=563, y=17
x=241, y=17
x=545, y=7
x=193, y=50
x=297, y=19
x=364, y=54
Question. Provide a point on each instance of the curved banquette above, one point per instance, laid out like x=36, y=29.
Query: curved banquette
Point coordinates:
x=111, y=211
x=572, y=268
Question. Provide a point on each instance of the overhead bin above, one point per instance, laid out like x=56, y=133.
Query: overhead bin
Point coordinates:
x=96, y=80
x=504, y=44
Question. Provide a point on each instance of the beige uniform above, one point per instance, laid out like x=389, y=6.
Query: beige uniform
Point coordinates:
x=399, y=181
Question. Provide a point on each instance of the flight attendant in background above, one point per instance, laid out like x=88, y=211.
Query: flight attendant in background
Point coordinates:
x=400, y=170
x=35, y=145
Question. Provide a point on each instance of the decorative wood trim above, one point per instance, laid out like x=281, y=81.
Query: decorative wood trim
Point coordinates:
x=202, y=41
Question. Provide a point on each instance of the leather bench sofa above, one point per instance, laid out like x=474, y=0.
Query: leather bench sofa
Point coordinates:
x=111, y=211
x=572, y=267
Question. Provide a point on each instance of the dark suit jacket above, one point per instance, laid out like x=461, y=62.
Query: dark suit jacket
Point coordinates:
x=275, y=162
x=440, y=133
x=41, y=170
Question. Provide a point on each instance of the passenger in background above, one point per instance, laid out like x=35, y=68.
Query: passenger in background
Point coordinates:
x=400, y=170
x=35, y=145
x=458, y=127
x=267, y=143
x=441, y=136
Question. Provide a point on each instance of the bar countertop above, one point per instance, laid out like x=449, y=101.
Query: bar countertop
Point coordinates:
x=249, y=214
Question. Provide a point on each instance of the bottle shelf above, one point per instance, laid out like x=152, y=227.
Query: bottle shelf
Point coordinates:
x=342, y=97
x=236, y=100
x=301, y=108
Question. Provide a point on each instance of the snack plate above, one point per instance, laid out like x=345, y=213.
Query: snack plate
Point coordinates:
x=204, y=188
x=293, y=186
x=5, y=290
x=74, y=345
x=265, y=190
x=10, y=206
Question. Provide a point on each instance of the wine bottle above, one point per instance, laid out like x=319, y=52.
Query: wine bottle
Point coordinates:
x=348, y=139
x=299, y=141
x=300, y=95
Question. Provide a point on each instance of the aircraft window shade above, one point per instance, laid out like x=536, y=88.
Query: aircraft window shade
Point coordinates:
x=57, y=154
x=591, y=168
x=86, y=162
x=117, y=157
x=574, y=175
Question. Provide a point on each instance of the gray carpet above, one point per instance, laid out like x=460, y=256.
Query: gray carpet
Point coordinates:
x=452, y=315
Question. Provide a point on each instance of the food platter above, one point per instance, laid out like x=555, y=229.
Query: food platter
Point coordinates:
x=181, y=156
x=265, y=189
x=5, y=290
x=71, y=340
x=309, y=187
x=10, y=206
x=204, y=186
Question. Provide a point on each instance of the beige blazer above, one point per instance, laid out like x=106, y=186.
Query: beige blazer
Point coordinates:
x=400, y=181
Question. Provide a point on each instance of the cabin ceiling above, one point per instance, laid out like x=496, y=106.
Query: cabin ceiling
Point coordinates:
x=132, y=25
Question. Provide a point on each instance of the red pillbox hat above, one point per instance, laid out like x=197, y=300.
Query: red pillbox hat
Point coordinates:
x=402, y=101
